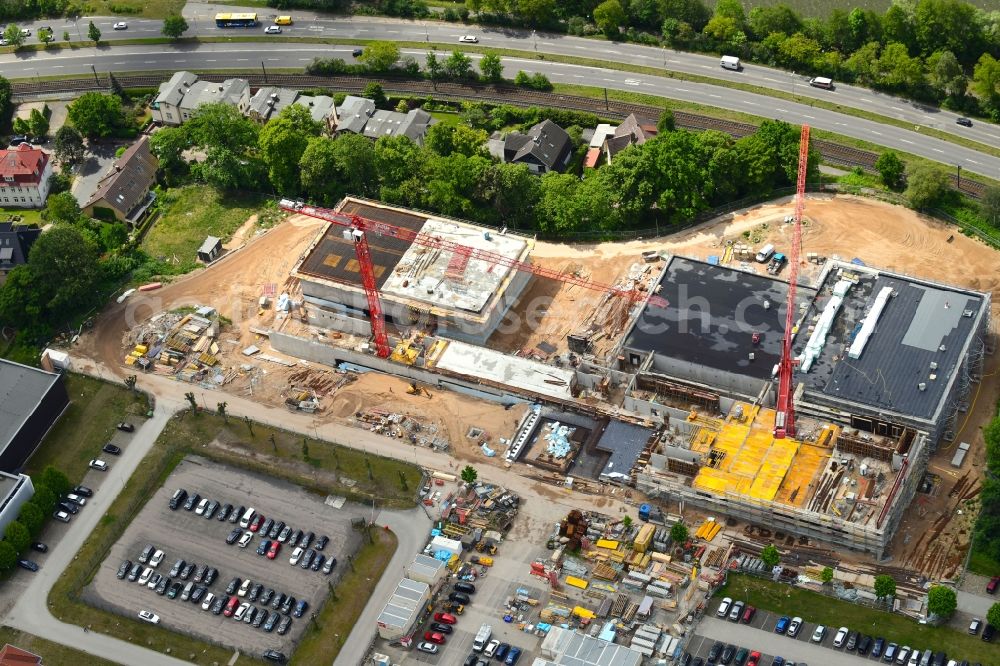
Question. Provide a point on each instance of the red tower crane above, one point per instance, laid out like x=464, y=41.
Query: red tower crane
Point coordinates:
x=360, y=227
x=784, y=418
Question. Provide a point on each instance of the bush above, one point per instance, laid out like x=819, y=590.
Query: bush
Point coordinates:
x=327, y=67
x=536, y=81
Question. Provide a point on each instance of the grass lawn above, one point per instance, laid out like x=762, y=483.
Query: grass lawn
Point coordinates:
x=52, y=654
x=95, y=407
x=189, y=434
x=322, y=641
x=143, y=8
x=815, y=607
x=28, y=215
x=187, y=215
x=447, y=117
x=983, y=564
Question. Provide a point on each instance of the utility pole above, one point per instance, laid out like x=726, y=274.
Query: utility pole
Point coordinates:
x=959, y=184
x=606, y=107
x=95, y=75
x=265, y=70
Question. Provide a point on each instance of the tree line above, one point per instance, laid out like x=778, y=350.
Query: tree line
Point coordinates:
x=987, y=531
x=50, y=485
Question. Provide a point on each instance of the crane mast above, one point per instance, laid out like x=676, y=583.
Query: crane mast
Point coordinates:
x=784, y=419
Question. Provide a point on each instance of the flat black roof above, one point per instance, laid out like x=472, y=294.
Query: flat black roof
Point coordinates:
x=921, y=324
x=711, y=314
x=334, y=259
x=22, y=389
x=624, y=441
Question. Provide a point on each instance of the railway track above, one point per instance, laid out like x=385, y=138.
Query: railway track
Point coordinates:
x=834, y=153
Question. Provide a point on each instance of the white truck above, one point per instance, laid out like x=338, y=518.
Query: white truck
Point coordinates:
x=731, y=62
x=482, y=638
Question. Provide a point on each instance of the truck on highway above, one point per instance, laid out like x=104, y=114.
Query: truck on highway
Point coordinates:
x=731, y=62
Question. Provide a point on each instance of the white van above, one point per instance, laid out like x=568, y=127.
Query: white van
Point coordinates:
x=247, y=517
x=731, y=62
x=821, y=82
x=765, y=253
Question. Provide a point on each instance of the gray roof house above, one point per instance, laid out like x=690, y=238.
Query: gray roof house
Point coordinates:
x=181, y=96
x=124, y=189
x=15, y=243
x=545, y=147
x=359, y=116
x=633, y=131
x=268, y=102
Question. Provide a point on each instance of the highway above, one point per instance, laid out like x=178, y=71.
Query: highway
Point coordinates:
x=201, y=21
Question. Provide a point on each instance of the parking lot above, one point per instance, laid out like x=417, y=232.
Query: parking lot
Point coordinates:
x=185, y=535
x=759, y=635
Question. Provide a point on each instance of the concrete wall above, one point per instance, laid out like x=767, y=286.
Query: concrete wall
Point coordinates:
x=716, y=380
x=338, y=321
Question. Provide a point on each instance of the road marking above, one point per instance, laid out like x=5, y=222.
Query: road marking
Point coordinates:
x=896, y=108
x=876, y=133
x=211, y=61
x=578, y=76
x=715, y=96
x=61, y=66
x=937, y=150
x=115, y=63
x=751, y=103
x=631, y=82
x=609, y=80
x=768, y=78
x=972, y=161
x=304, y=59
x=242, y=59
x=907, y=141
x=809, y=117
x=994, y=136
x=682, y=90
x=865, y=99
x=782, y=110
x=274, y=59
x=149, y=62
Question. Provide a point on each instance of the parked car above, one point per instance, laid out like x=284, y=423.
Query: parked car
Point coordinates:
x=273, y=550
x=231, y=606
x=134, y=574
x=199, y=573
x=736, y=612
x=207, y=603
x=295, y=537
x=715, y=652
x=39, y=547
x=302, y=605
x=177, y=568
x=468, y=588
x=99, y=465
x=235, y=534
x=235, y=516
x=198, y=592
x=328, y=566
x=975, y=626
x=852, y=641
x=279, y=599
x=501, y=652
x=864, y=645
x=307, y=558
x=307, y=539
x=429, y=648
x=435, y=637
x=754, y=659
x=275, y=530
x=741, y=657
x=878, y=647
x=724, y=607
x=286, y=622
x=147, y=552
x=164, y=583
x=286, y=605
x=154, y=580
x=512, y=656
x=155, y=560
x=890, y=652
x=218, y=605
x=224, y=512
x=174, y=590
x=179, y=497
x=257, y=521
x=903, y=656
x=125, y=427
x=202, y=505
x=241, y=611
x=245, y=588
x=317, y=562
x=192, y=501
x=841, y=638
x=187, y=570
x=211, y=575
x=112, y=449
x=124, y=568
x=439, y=627
x=728, y=653
x=76, y=499
x=149, y=616
x=188, y=589
x=272, y=620
x=748, y=614
x=83, y=491
x=266, y=596
x=794, y=627
x=210, y=510
x=255, y=591
x=285, y=533
x=251, y=613
x=446, y=618
x=245, y=539
x=27, y=564
x=357, y=52
x=989, y=631
x=488, y=653
x=61, y=516
x=68, y=507
x=259, y=617
x=296, y=556
x=460, y=598
x=322, y=541
x=991, y=586
x=263, y=546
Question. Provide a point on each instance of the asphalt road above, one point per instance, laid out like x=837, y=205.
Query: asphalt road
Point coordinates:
x=711, y=629
x=224, y=56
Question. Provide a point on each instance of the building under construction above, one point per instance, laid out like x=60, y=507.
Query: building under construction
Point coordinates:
x=437, y=291
x=885, y=364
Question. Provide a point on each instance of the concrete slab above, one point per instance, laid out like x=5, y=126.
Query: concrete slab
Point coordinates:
x=494, y=366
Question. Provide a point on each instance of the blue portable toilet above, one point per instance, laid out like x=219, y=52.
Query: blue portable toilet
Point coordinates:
x=643, y=512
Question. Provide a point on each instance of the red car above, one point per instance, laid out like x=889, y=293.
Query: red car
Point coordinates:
x=754, y=659
x=991, y=586
x=273, y=551
x=231, y=606
x=434, y=637
x=447, y=618
x=256, y=522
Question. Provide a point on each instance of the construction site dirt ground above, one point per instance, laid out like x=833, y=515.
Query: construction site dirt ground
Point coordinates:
x=879, y=234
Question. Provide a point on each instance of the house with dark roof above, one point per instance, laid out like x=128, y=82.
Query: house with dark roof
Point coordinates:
x=358, y=115
x=124, y=192
x=24, y=177
x=633, y=131
x=268, y=102
x=180, y=97
x=545, y=147
x=15, y=243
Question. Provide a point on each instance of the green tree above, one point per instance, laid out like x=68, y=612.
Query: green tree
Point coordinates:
x=780, y=19
x=43, y=498
x=55, y=480
x=174, y=26
x=458, y=65
x=68, y=145
x=770, y=555
x=379, y=56
x=17, y=535
x=890, y=169
x=941, y=601
x=826, y=575
x=32, y=517
x=97, y=114
x=990, y=205
x=692, y=13
x=45, y=35
x=230, y=169
x=899, y=70
x=951, y=25
x=375, y=92
x=514, y=194
x=169, y=144
x=733, y=10
x=21, y=126
x=679, y=533
x=220, y=409
x=8, y=556
x=13, y=36
x=283, y=141
x=926, y=185
x=222, y=126
x=93, y=33
x=536, y=12
x=6, y=93
x=491, y=67
x=66, y=36
x=986, y=83
x=38, y=123
x=432, y=65
x=609, y=17
x=469, y=474
x=62, y=208
x=993, y=615
x=332, y=168
x=721, y=28
x=945, y=74
x=666, y=123
x=885, y=586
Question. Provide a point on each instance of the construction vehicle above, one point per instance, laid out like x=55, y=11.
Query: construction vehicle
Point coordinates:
x=454, y=608
x=414, y=389
x=776, y=264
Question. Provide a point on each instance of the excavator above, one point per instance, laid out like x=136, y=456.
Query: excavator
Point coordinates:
x=415, y=389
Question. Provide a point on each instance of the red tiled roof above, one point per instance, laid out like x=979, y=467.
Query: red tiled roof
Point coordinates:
x=15, y=656
x=24, y=164
x=590, y=161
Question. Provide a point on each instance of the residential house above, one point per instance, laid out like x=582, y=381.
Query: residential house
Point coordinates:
x=15, y=243
x=24, y=177
x=596, y=145
x=633, y=131
x=268, y=102
x=15, y=656
x=181, y=96
x=358, y=115
x=545, y=147
x=124, y=192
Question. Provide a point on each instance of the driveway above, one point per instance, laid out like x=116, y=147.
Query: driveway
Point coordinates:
x=99, y=158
